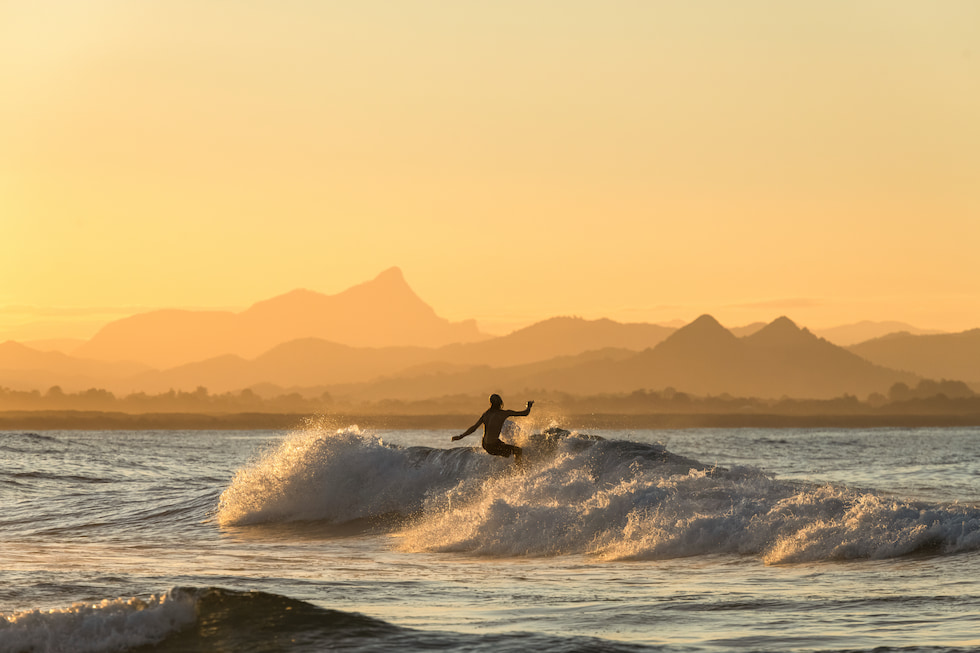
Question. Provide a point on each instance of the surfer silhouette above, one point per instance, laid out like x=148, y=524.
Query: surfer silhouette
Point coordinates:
x=493, y=421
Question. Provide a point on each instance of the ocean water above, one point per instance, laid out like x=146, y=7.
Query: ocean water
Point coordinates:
x=329, y=537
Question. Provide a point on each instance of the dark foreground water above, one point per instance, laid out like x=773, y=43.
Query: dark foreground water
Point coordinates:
x=326, y=539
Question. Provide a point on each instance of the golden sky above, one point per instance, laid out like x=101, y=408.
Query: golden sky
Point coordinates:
x=639, y=160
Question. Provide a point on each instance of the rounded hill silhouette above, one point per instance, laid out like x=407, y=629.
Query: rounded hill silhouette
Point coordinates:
x=383, y=312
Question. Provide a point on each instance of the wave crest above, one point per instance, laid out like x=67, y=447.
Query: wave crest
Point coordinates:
x=581, y=494
x=341, y=476
x=109, y=625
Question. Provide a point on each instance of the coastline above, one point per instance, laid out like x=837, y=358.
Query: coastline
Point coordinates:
x=98, y=420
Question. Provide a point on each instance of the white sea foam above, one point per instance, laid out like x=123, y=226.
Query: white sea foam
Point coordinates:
x=646, y=512
x=340, y=476
x=583, y=495
x=847, y=525
x=109, y=625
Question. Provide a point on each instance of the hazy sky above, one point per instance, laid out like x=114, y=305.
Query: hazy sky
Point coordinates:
x=640, y=160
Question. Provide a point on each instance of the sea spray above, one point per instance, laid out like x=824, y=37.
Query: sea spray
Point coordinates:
x=634, y=501
x=580, y=494
x=340, y=476
x=579, y=500
x=848, y=525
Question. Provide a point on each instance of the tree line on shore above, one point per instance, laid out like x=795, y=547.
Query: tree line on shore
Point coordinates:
x=926, y=397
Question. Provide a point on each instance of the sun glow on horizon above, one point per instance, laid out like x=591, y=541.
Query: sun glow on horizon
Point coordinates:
x=642, y=162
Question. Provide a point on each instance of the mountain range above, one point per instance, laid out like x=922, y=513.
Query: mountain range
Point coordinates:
x=379, y=340
x=937, y=356
x=383, y=312
x=702, y=358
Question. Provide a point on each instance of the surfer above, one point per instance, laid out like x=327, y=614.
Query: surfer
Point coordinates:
x=493, y=421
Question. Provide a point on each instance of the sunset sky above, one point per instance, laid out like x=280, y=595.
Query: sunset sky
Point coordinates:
x=638, y=160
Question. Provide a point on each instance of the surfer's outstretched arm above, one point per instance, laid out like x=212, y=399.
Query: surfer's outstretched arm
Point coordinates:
x=521, y=413
x=471, y=429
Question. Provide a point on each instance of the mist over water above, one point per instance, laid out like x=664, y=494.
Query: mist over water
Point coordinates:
x=332, y=538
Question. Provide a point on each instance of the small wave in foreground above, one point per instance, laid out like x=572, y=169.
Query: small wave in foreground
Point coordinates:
x=189, y=620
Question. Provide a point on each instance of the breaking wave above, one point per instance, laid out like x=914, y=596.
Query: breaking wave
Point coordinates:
x=581, y=494
x=217, y=619
x=109, y=625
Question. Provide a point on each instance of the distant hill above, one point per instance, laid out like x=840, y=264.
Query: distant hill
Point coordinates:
x=63, y=345
x=24, y=368
x=851, y=334
x=558, y=336
x=442, y=380
x=954, y=356
x=701, y=358
x=306, y=362
x=562, y=354
x=316, y=362
x=779, y=360
x=383, y=312
x=378, y=340
x=747, y=330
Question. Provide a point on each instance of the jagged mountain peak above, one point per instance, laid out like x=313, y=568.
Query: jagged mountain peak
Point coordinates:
x=703, y=335
x=390, y=284
x=780, y=326
x=389, y=279
x=781, y=332
x=389, y=276
x=704, y=326
x=783, y=322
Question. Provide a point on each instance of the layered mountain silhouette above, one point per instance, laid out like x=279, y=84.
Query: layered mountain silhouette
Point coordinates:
x=315, y=362
x=704, y=358
x=701, y=358
x=379, y=340
x=846, y=335
x=23, y=367
x=559, y=336
x=940, y=356
x=307, y=362
x=383, y=312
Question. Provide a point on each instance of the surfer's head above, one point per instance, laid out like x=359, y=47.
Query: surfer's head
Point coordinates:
x=496, y=401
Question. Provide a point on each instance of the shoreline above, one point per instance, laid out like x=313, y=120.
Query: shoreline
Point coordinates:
x=103, y=421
